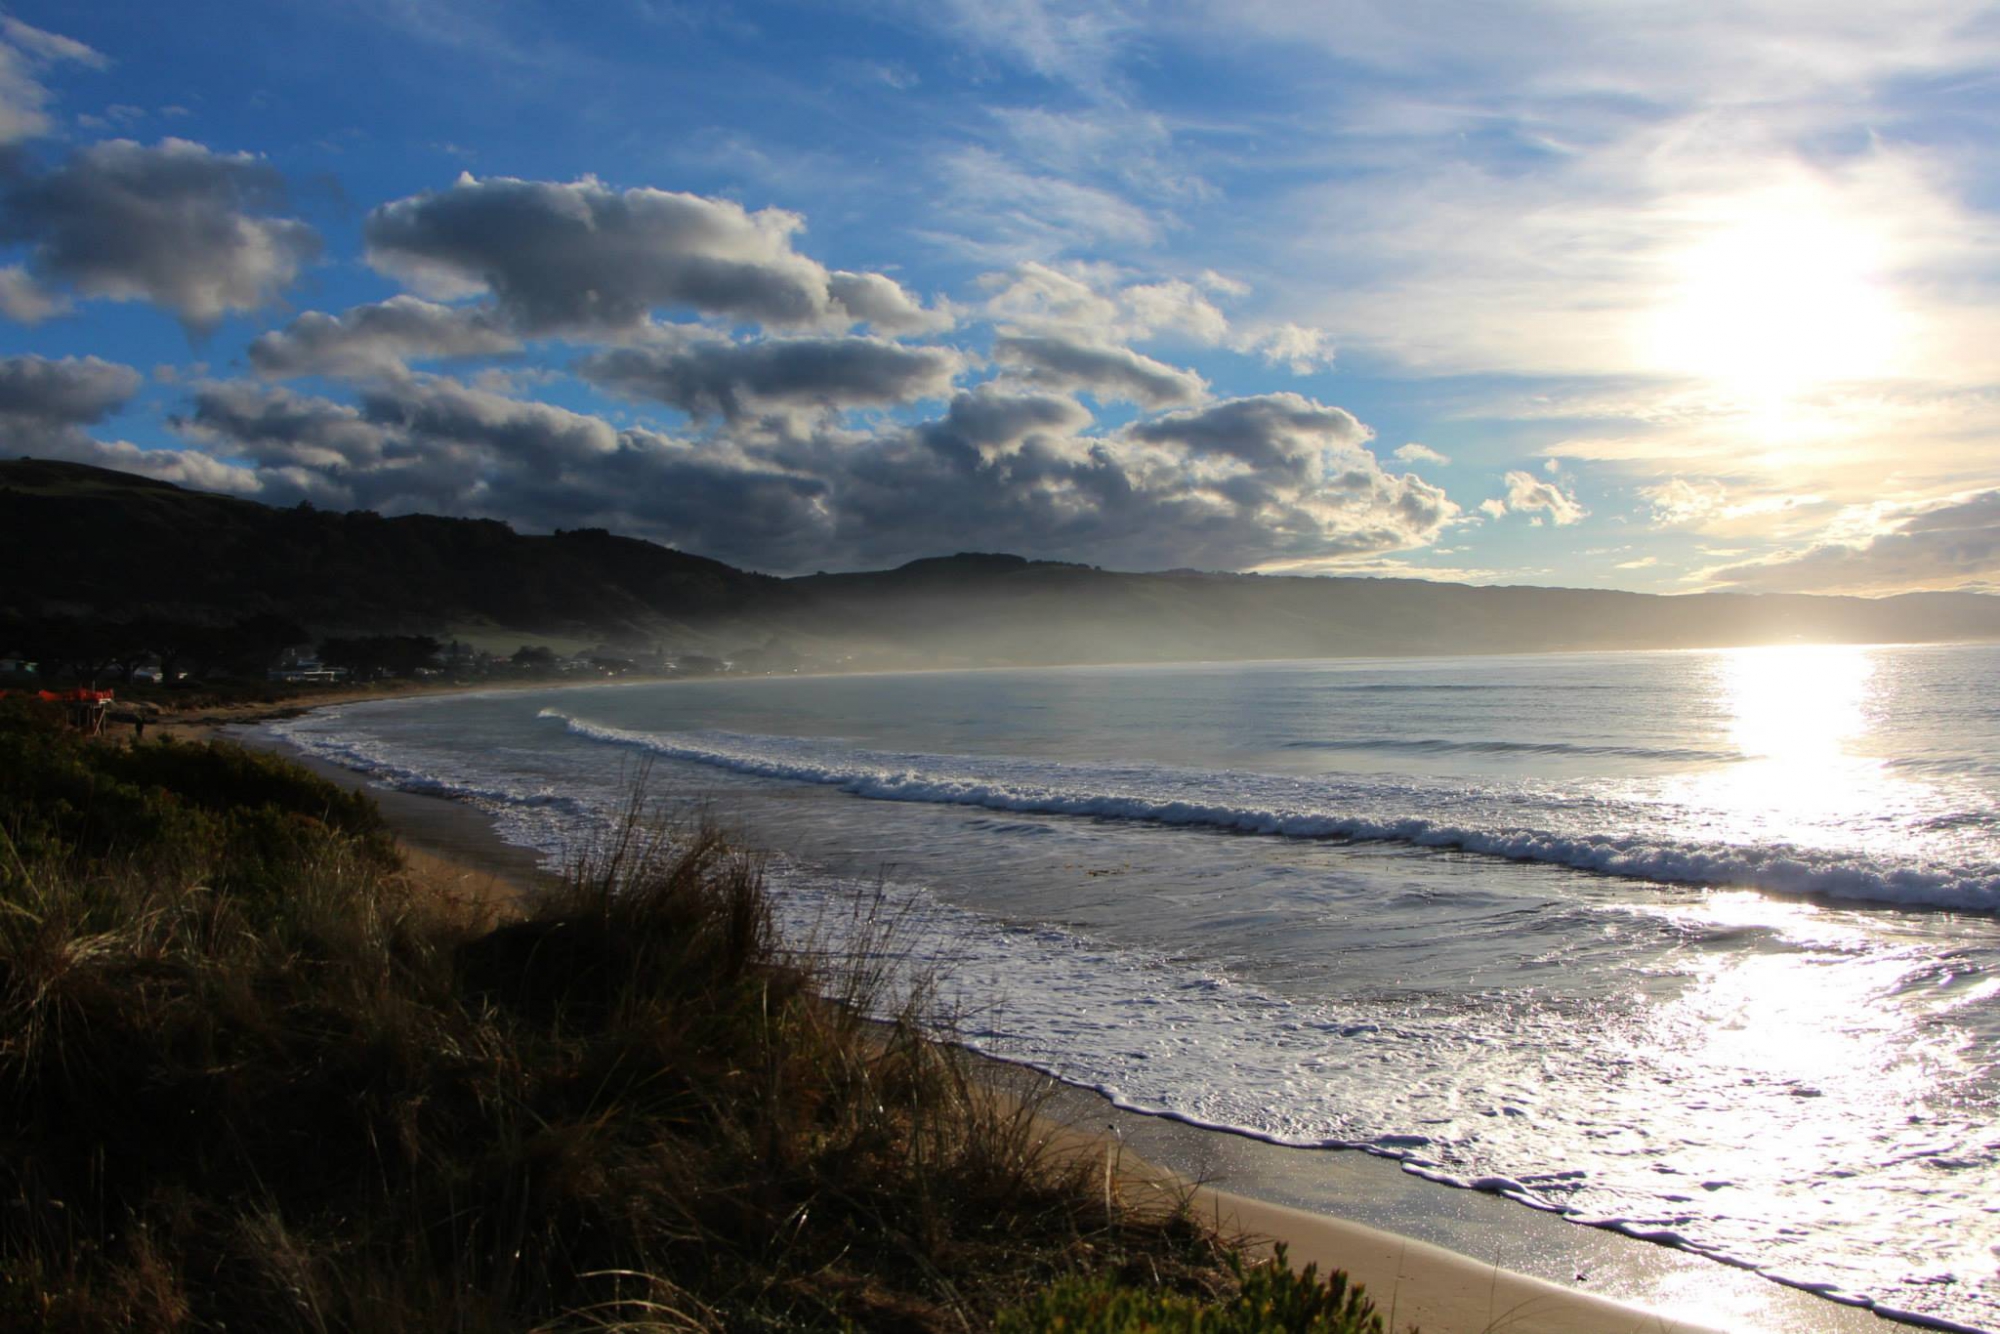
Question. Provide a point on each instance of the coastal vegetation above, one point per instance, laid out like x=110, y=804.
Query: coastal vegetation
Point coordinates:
x=256, y=1074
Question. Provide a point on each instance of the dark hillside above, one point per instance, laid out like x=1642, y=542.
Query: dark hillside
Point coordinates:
x=109, y=544
x=87, y=542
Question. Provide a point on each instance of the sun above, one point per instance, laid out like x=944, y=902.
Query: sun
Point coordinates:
x=1778, y=295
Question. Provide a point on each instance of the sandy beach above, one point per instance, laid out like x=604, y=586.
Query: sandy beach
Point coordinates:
x=1444, y=1260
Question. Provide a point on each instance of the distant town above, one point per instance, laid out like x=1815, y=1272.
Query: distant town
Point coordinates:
x=234, y=656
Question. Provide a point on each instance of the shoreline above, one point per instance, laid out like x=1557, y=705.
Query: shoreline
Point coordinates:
x=1444, y=1258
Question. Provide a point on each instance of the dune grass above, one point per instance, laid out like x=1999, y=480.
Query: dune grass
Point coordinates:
x=252, y=1078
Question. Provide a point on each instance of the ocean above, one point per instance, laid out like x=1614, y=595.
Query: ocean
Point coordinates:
x=1699, y=946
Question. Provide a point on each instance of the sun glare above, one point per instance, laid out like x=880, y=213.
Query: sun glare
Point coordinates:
x=1799, y=716
x=1775, y=301
x=1797, y=707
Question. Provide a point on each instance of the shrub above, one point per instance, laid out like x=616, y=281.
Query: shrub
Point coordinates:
x=1270, y=1299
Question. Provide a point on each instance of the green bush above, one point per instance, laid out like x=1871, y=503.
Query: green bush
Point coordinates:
x=1271, y=1299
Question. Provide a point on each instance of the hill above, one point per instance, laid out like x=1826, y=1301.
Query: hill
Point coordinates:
x=92, y=543
x=109, y=544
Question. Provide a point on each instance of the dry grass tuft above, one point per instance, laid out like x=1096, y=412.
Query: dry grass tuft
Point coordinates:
x=250, y=1078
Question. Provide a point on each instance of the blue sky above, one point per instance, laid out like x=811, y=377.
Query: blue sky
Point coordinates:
x=1662, y=298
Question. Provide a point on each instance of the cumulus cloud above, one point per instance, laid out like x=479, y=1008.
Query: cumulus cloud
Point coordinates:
x=379, y=339
x=1299, y=349
x=46, y=406
x=990, y=420
x=1045, y=298
x=1679, y=501
x=278, y=429
x=1416, y=453
x=1003, y=466
x=39, y=396
x=882, y=304
x=1171, y=306
x=1952, y=544
x=1239, y=484
x=1529, y=494
x=715, y=378
x=183, y=467
x=26, y=301
x=1283, y=431
x=1108, y=373
x=430, y=445
x=174, y=224
x=1097, y=302
x=582, y=257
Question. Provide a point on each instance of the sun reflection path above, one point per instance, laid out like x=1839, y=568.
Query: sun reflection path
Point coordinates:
x=1801, y=717
x=1809, y=1045
x=1817, y=1050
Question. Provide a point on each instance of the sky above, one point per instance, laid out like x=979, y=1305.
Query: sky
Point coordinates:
x=1655, y=296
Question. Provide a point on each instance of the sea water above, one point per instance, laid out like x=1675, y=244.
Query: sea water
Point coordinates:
x=1700, y=946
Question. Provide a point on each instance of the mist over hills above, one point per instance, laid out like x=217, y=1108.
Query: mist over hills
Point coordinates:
x=86, y=542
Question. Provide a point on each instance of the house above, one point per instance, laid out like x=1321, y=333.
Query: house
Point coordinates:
x=301, y=666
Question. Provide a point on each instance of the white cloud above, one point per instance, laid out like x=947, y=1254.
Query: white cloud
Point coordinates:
x=1275, y=477
x=1527, y=493
x=709, y=377
x=1416, y=453
x=380, y=339
x=26, y=301
x=1887, y=547
x=1294, y=346
x=50, y=45
x=1099, y=303
x=174, y=224
x=1706, y=504
x=1110, y=373
x=583, y=258
x=1678, y=501
x=23, y=98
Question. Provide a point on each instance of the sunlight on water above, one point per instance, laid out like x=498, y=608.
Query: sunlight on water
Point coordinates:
x=1801, y=718
x=1796, y=708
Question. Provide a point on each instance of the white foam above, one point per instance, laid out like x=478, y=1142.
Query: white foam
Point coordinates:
x=1164, y=796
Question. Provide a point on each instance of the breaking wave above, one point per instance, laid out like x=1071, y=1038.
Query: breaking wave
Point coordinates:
x=1291, y=809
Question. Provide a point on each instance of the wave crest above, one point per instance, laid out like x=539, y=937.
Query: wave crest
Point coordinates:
x=1778, y=867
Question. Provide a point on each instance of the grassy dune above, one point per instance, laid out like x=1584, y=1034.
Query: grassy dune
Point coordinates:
x=253, y=1077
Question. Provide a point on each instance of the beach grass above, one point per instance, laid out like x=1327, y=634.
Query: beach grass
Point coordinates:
x=253, y=1077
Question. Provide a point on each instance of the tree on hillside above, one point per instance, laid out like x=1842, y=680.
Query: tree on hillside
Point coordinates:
x=369, y=656
x=247, y=647
x=536, y=658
